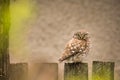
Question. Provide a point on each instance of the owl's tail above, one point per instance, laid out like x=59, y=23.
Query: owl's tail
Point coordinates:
x=61, y=60
x=67, y=57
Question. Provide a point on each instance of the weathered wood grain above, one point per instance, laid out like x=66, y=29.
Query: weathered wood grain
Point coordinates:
x=43, y=71
x=18, y=71
x=76, y=71
x=103, y=70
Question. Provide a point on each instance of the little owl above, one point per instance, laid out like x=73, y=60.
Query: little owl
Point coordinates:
x=76, y=48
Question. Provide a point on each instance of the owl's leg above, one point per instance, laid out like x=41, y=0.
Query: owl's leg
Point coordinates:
x=69, y=60
x=77, y=57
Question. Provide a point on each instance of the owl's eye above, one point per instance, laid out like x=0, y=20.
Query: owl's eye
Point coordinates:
x=79, y=36
x=85, y=37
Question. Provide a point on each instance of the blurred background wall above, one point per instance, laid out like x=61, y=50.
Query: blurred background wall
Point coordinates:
x=43, y=27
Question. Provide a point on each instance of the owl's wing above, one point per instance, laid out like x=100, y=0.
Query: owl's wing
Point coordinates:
x=72, y=48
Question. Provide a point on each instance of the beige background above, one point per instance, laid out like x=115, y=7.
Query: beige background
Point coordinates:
x=55, y=21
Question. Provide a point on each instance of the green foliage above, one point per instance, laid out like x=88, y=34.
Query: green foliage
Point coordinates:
x=4, y=37
x=4, y=26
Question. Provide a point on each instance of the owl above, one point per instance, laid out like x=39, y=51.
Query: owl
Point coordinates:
x=76, y=48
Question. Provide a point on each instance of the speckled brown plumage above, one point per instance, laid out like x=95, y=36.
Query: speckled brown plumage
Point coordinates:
x=76, y=47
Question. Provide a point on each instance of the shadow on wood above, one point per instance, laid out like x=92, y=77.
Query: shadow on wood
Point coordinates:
x=76, y=71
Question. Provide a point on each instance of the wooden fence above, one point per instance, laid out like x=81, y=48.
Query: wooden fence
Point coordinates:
x=72, y=71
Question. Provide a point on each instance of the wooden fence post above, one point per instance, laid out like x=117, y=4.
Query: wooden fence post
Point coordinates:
x=45, y=71
x=103, y=70
x=18, y=71
x=76, y=71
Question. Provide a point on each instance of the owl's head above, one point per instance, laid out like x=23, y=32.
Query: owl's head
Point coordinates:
x=81, y=35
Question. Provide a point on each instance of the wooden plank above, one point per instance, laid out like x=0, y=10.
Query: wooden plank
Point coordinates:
x=46, y=71
x=4, y=38
x=103, y=70
x=76, y=71
x=18, y=71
